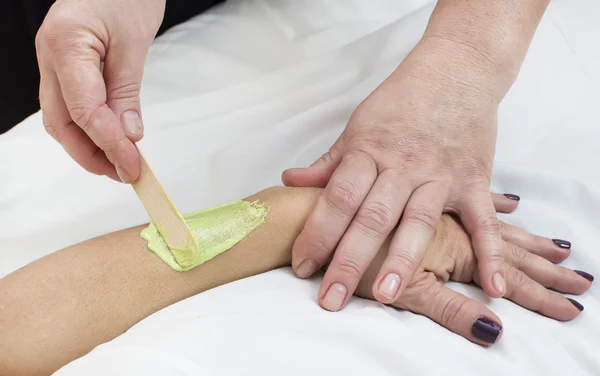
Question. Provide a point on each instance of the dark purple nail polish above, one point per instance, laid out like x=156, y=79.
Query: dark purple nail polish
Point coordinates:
x=486, y=330
x=576, y=304
x=585, y=275
x=562, y=243
x=512, y=197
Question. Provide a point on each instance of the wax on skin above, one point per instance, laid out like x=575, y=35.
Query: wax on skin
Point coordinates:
x=215, y=230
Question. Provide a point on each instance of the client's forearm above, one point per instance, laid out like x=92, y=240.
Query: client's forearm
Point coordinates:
x=62, y=306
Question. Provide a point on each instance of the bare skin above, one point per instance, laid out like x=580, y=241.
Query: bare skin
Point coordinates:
x=422, y=143
x=60, y=307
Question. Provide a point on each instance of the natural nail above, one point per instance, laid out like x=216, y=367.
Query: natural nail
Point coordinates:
x=499, y=283
x=576, y=304
x=585, y=275
x=123, y=174
x=512, y=197
x=486, y=330
x=132, y=123
x=562, y=243
x=307, y=268
x=334, y=297
x=388, y=287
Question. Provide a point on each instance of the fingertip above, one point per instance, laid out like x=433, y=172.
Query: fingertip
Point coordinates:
x=388, y=288
x=127, y=164
x=132, y=125
x=505, y=203
x=512, y=197
x=306, y=268
x=492, y=290
x=499, y=284
x=486, y=331
x=334, y=297
x=577, y=305
x=288, y=176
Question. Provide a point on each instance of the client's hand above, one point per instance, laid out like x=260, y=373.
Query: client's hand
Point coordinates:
x=529, y=277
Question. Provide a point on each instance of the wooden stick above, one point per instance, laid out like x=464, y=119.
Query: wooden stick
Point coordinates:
x=161, y=209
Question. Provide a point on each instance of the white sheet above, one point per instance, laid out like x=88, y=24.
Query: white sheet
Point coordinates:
x=233, y=97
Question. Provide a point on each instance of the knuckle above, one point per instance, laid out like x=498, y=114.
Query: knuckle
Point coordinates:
x=315, y=247
x=52, y=130
x=518, y=278
x=518, y=255
x=344, y=197
x=489, y=224
x=376, y=218
x=124, y=90
x=420, y=291
x=422, y=217
x=58, y=28
x=493, y=258
x=82, y=116
x=361, y=160
x=503, y=228
x=350, y=268
x=450, y=310
x=40, y=38
x=404, y=259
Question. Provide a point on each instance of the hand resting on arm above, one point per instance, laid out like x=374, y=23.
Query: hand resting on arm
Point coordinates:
x=60, y=307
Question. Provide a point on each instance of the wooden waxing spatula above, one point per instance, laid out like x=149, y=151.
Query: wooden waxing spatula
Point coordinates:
x=162, y=211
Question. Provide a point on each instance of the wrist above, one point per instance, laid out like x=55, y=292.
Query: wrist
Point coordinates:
x=492, y=37
x=453, y=68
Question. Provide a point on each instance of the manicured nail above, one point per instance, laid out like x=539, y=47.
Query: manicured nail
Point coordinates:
x=132, y=123
x=512, y=197
x=388, y=287
x=123, y=174
x=334, y=297
x=307, y=268
x=585, y=275
x=576, y=304
x=486, y=330
x=562, y=243
x=499, y=283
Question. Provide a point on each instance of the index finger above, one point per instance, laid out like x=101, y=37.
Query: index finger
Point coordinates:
x=59, y=125
x=84, y=93
x=333, y=213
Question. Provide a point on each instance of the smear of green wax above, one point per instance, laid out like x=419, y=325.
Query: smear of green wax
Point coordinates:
x=215, y=230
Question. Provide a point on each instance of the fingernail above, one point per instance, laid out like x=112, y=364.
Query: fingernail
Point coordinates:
x=512, y=197
x=388, y=287
x=585, y=275
x=499, y=283
x=486, y=330
x=562, y=243
x=334, y=297
x=576, y=304
x=132, y=123
x=307, y=268
x=123, y=174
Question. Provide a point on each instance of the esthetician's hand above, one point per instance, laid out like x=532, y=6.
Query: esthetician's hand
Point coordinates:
x=530, y=279
x=91, y=56
x=422, y=143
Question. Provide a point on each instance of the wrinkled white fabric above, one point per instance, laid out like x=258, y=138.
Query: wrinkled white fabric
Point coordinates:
x=233, y=97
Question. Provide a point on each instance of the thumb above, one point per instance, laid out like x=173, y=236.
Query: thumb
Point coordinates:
x=456, y=312
x=123, y=71
x=318, y=173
